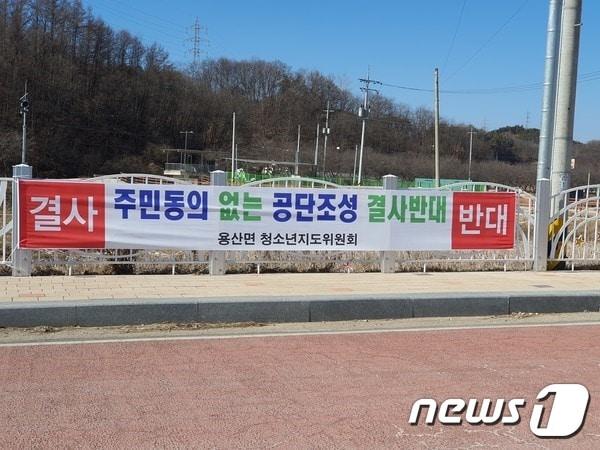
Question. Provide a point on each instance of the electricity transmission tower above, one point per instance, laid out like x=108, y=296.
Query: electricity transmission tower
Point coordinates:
x=197, y=41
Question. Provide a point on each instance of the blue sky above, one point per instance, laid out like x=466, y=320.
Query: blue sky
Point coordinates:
x=402, y=41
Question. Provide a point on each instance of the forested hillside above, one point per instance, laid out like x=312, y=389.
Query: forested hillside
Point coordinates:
x=102, y=102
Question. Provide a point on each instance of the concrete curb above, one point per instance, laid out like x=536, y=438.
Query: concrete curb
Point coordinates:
x=290, y=309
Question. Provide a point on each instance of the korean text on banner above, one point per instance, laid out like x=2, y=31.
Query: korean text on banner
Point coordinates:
x=66, y=214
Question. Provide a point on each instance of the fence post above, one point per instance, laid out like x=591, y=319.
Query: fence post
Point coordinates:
x=216, y=259
x=21, y=258
x=388, y=262
x=540, y=228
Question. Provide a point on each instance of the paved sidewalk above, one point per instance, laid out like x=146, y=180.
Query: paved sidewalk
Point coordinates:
x=129, y=300
x=57, y=288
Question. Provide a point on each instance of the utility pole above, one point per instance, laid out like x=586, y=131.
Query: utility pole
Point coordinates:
x=23, y=110
x=326, y=133
x=297, y=158
x=183, y=159
x=470, y=133
x=317, y=149
x=436, y=82
x=565, y=98
x=233, y=150
x=354, y=170
x=363, y=112
x=542, y=204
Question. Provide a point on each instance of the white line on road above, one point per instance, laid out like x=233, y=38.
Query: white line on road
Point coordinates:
x=287, y=334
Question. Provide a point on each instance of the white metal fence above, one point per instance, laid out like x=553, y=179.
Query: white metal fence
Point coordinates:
x=576, y=239
x=575, y=225
x=6, y=186
x=119, y=261
x=521, y=257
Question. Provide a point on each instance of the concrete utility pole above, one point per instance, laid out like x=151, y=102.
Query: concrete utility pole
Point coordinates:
x=317, y=149
x=233, y=150
x=297, y=158
x=436, y=82
x=470, y=133
x=363, y=112
x=354, y=170
x=24, y=109
x=565, y=99
x=326, y=133
x=542, y=206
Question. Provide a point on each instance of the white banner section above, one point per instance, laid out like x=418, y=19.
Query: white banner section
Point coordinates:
x=238, y=218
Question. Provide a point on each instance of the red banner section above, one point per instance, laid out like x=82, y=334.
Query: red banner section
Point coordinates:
x=61, y=215
x=483, y=221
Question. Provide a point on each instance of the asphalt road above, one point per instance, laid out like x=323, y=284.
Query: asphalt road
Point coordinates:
x=343, y=385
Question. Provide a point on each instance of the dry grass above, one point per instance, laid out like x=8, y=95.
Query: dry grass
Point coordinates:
x=187, y=262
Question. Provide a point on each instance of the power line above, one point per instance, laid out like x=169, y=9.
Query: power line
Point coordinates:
x=159, y=27
x=590, y=76
x=164, y=26
x=460, y=16
x=406, y=88
x=489, y=40
x=161, y=19
x=173, y=41
x=165, y=36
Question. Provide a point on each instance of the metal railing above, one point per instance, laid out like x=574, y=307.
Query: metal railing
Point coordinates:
x=186, y=169
x=576, y=236
x=137, y=178
x=119, y=261
x=6, y=188
x=293, y=182
x=169, y=260
x=520, y=257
